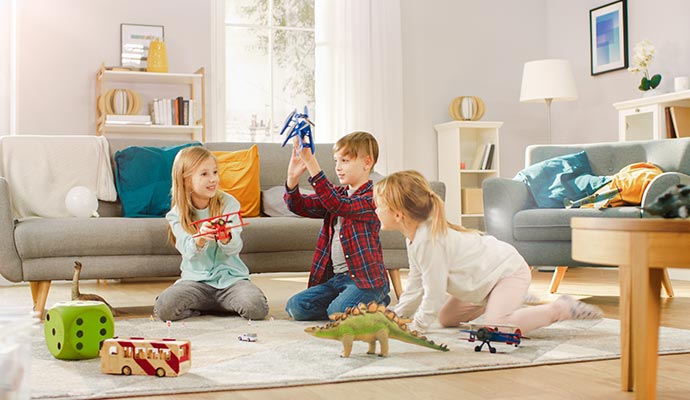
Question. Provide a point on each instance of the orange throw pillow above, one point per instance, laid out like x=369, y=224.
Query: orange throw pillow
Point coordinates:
x=239, y=176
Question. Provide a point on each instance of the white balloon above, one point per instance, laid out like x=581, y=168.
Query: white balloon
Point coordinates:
x=81, y=202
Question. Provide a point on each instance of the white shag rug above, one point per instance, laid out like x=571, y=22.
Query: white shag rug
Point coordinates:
x=285, y=355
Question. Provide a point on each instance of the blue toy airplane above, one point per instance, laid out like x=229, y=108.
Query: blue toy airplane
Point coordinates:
x=488, y=334
x=299, y=125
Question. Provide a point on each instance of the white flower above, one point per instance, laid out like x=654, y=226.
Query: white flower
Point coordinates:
x=642, y=56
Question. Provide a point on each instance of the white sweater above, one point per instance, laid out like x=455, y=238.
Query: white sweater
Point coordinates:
x=466, y=265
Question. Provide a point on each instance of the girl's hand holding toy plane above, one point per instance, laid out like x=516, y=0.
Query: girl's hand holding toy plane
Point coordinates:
x=217, y=228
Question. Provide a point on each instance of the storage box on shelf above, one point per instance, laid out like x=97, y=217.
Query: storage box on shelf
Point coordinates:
x=474, y=145
x=152, y=85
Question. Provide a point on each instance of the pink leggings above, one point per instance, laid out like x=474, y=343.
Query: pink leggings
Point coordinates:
x=504, y=306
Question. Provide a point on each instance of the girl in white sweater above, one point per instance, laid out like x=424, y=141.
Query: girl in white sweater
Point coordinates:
x=482, y=274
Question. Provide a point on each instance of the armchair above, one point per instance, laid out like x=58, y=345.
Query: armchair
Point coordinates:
x=543, y=235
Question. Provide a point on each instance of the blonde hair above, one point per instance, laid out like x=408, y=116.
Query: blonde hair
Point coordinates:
x=358, y=144
x=409, y=193
x=186, y=162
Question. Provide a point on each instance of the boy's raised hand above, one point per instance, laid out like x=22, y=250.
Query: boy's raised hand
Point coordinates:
x=305, y=154
x=296, y=167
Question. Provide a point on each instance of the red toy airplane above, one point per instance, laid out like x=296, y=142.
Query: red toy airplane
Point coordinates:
x=221, y=225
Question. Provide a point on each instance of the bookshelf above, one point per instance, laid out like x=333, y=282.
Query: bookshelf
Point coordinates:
x=458, y=144
x=150, y=85
x=644, y=118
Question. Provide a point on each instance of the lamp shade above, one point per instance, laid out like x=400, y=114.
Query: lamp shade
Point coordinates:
x=547, y=79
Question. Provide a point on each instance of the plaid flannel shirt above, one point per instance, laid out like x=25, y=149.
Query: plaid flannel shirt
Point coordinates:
x=359, y=234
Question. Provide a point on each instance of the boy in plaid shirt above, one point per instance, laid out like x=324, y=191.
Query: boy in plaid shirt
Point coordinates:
x=348, y=263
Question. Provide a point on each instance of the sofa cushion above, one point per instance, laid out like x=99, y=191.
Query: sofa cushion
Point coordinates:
x=36, y=238
x=554, y=224
x=143, y=181
x=273, y=203
x=553, y=180
x=239, y=176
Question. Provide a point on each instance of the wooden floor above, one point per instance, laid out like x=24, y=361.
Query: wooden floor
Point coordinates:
x=588, y=380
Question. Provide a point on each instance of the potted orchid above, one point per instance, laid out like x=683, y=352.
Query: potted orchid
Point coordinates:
x=642, y=57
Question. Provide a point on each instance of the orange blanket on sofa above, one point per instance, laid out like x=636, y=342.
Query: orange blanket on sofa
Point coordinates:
x=632, y=181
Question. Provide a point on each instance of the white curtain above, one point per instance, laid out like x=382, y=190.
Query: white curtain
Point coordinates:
x=6, y=61
x=359, y=74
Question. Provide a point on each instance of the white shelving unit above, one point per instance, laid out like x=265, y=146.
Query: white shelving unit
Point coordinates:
x=457, y=144
x=150, y=85
x=645, y=118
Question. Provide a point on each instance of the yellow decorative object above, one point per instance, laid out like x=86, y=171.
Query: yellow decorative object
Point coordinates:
x=158, y=57
x=466, y=108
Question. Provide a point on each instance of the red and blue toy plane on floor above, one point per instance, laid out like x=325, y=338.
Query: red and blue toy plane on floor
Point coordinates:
x=221, y=225
x=492, y=333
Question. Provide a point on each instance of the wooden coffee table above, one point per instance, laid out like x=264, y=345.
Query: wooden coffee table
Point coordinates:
x=642, y=248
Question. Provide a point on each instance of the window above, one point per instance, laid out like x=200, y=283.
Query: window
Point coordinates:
x=269, y=63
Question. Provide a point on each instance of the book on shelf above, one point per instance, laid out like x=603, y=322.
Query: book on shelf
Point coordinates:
x=117, y=119
x=173, y=111
x=179, y=102
x=478, y=157
x=185, y=112
x=670, y=131
x=488, y=156
x=681, y=120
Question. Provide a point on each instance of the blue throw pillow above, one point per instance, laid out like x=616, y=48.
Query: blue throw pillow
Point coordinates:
x=143, y=179
x=553, y=180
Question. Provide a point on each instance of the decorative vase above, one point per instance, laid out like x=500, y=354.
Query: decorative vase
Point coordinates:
x=158, y=57
x=651, y=92
x=466, y=108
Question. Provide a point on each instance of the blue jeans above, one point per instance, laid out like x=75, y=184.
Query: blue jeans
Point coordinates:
x=332, y=296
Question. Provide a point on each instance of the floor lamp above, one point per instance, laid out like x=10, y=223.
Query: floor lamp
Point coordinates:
x=547, y=81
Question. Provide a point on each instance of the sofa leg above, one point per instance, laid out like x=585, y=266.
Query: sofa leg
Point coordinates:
x=556, y=279
x=666, y=283
x=395, y=280
x=39, y=294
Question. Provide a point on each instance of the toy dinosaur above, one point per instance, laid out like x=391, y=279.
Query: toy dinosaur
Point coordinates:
x=673, y=203
x=369, y=323
x=77, y=295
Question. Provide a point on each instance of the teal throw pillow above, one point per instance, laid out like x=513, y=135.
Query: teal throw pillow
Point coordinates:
x=553, y=180
x=143, y=179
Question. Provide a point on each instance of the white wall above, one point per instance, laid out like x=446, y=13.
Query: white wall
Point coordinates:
x=450, y=48
x=592, y=117
x=61, y=45
x=453, y=48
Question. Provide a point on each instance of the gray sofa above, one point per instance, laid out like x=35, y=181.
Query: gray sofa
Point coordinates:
x=543, y=235
x=112, y=247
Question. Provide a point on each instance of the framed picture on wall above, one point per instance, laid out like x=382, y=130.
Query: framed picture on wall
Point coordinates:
x=134, y=43
x=608, y=37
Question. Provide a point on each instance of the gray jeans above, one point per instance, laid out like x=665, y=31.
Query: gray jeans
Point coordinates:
x=189, y=298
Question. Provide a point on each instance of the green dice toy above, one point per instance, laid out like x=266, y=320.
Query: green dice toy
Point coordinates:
x=75, y=329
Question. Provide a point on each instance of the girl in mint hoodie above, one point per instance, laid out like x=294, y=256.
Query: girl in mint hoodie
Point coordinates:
x=214, y=278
